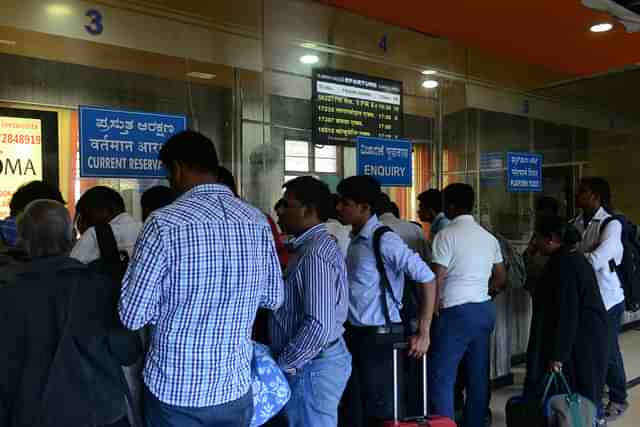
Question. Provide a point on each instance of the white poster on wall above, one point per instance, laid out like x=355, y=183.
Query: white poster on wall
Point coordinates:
x=20, y=156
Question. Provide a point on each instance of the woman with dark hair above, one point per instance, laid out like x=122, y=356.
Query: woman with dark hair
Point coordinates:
x=602, y=246
x=569, y=326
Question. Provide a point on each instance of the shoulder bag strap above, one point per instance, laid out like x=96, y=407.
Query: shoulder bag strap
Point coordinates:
x=385, y=285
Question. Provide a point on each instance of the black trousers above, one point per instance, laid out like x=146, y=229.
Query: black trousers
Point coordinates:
x=368, y=398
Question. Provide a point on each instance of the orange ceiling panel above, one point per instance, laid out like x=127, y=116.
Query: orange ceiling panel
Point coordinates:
x=553, y=33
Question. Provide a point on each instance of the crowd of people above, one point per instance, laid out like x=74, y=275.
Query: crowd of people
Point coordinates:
x=109, y=321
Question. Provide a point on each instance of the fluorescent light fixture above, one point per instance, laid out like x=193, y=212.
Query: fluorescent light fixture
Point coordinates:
x=429, y=72
x=8, y=42
x=199, y=75
x=309, y=59
x=430, y=84
x=58, y=9
x=601, y=28
x=309, y=45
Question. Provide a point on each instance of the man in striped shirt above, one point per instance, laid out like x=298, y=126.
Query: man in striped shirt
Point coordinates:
x=306, y=332
x=201, y=268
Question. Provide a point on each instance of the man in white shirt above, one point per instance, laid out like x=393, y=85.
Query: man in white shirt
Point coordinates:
x=410, y=233
x=467, y=261
x=100, y=205
x=601, y=246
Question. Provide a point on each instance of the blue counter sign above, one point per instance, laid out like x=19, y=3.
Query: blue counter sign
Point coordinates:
x=524, y=172
x=124, y=144
x=389, y=161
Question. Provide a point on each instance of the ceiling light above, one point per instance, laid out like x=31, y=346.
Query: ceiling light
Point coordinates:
x=430, y=84
x=198, y=75
x=8, y=42
x=601, y=28
x=309, y=45
x=309, y=59
x=59, y=10
x=429, y=72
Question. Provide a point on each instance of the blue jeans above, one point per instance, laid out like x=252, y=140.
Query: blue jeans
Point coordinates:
x=616, y=376
x=236, y=413
x=316, y=389
x=461, y=332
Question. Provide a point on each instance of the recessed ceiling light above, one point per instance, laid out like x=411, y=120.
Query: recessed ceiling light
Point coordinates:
x=601, y=28
x=429, y=72
x=59, y=10
x=8, y=42
x=430, y=84
x=309, y=59
x=198, y=75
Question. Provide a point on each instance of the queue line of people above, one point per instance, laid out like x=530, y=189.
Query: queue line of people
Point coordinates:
x=203, y=264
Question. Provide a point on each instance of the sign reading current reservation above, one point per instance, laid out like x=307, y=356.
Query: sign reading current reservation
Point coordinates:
x=388, y=161
x=20, y=156
x=124, y=144
x=348, y=105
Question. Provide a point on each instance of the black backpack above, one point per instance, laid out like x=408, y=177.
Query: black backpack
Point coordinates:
x=629, y=269
x=410, y=304
x=112, y=262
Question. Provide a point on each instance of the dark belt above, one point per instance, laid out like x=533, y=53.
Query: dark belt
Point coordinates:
x=394, y=328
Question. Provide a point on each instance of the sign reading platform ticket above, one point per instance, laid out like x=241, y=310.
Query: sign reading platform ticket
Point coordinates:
x=124, y=144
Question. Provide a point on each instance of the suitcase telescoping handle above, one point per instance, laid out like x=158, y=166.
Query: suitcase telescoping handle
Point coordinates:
x=396, y=350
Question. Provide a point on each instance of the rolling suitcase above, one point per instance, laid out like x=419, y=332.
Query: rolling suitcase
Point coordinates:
x=421, y=421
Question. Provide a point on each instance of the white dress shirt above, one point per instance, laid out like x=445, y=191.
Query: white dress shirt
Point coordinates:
x=125, y=229
x=341, y=232
x=601, y=246
x=410, y=233
x=468, y=252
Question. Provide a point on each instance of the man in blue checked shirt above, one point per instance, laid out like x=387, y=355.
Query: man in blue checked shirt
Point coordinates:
x=374, y=324
x=201, y=268
x=306, y=332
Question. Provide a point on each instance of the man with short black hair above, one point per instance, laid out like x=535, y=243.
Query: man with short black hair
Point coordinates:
x=103, y=205
x=201, y=268
x=430, y=210
x=306, y=332
x=468, y=262
x=27, y=193
x=374, y=323
x=155, y=198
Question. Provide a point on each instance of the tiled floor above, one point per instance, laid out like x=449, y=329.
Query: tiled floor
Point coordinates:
x=630, y=345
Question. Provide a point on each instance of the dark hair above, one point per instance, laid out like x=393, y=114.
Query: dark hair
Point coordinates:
x=333, y=212
x=157, y=197
x=431, y=199
x=281, y=203
x=395, y=209
x=547, y=203
x=192, y=149
x=311, y=193
x=555, y=226
x=360, y=189
x=225, y=177
x=383, y=204
x=599, y=186
x=459, y=195
x=100, y=198
x=34, y=190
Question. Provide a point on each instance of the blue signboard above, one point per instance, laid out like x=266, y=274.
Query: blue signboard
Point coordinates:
x=124, y=144
x=389, y=161
x=524, y=172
